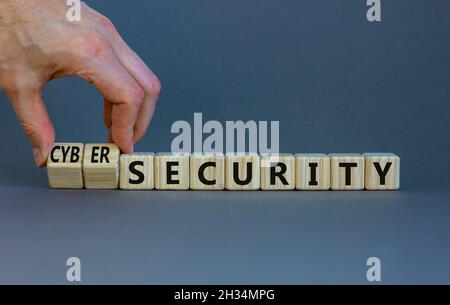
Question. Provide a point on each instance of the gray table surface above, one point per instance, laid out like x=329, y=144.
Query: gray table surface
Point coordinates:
x=336, y=83
x=226, y=237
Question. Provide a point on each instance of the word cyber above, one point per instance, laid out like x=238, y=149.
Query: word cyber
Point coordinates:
x=101, y=166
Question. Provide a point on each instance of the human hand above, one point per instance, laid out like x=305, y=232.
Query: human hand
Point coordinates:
x=38, y=43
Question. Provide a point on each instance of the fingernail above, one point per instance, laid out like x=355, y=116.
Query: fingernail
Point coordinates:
x=38, y=157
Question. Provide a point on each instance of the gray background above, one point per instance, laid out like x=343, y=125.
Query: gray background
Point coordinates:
x=336, y=83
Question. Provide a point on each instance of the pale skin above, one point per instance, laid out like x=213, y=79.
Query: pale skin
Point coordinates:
x=38, y=44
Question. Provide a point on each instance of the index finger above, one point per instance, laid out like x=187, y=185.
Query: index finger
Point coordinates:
x=124, y=93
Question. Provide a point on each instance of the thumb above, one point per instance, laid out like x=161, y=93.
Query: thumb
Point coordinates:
x=35, y=122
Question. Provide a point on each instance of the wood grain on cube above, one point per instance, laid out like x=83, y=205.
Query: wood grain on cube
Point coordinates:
x=207, y=172
x=101, y=166
x=171, y=171
x=65, y=166
x=347, y=172
x=312, y=172
x=242, y=171
x=382, y=171
x=277, y=172
x=136, y=171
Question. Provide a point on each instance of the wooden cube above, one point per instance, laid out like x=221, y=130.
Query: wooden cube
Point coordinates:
x=312, y=172
x=172, y=171
x=136, y=171
x=65, y=166
x=277, y=172
x=242, y=171
x=207, y=172
x=347, y=172
x=382, y=171
x=101, y=166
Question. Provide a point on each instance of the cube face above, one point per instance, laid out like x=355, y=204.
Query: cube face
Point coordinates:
x=136, y=171
x=312, y=172
x=101, y=166
x=382, y=171
x=65, y=166
x=347, y=172
x=171, y=171
x=207, y=172
x=242, y=172
x=277, y=172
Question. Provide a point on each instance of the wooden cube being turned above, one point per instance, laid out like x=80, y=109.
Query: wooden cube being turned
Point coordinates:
x=207, y=171
x=101, y=166
x=277, y=172
x=242, y=171
x=312, y=172
x=347, y=172
x=172, y=171
x=382, y=171
x=65, y=166
x=136, y=171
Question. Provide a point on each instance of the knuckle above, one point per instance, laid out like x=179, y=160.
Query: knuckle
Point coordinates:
x=105, y=22
x=95, y=46
x=153, y=86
